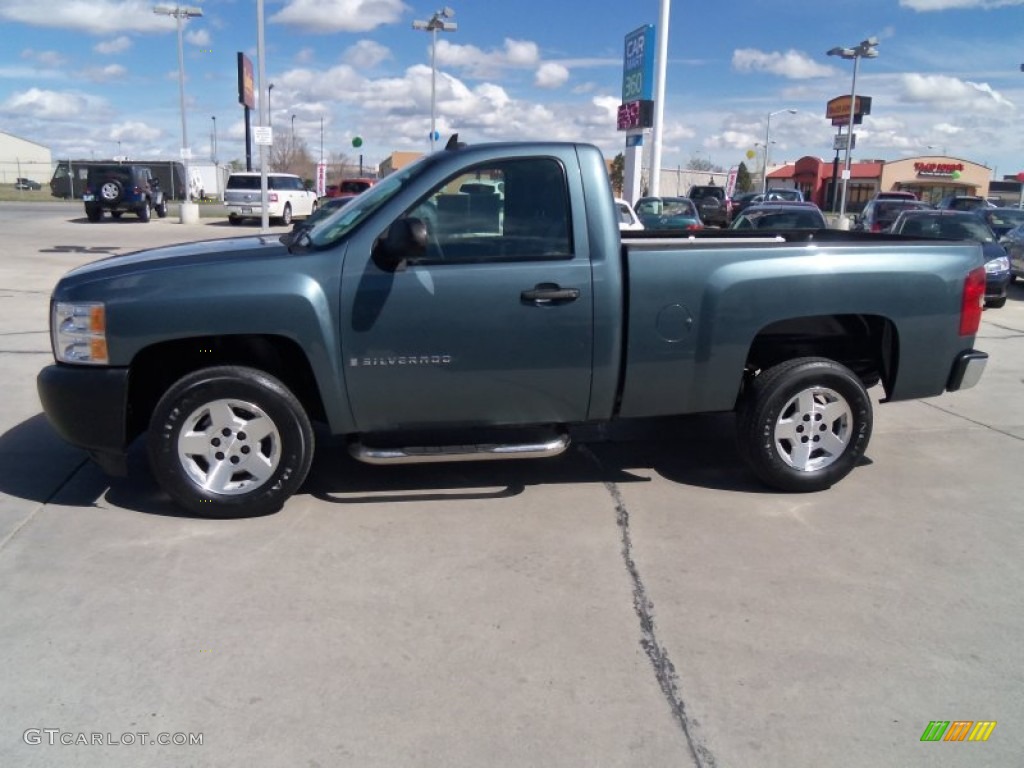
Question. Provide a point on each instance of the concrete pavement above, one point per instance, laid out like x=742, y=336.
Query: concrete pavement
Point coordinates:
x=640, y=601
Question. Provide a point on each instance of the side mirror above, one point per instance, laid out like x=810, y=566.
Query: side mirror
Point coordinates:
x=405, y=239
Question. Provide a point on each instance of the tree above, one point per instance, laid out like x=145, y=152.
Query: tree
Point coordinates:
x=288, y=155
x=743, y=181
x=617, y=173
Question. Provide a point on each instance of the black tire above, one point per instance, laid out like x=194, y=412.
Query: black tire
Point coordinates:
x=94, y=213
x=286, y=214
x=144, y=212
x=235, y=220
x=835, y=425
x=996, y=303
x=201, y=455
x=111, y=191
x=161, y=209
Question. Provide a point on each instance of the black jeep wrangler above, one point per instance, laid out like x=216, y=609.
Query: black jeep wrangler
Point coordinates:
x=118, y=188
x=712, y=204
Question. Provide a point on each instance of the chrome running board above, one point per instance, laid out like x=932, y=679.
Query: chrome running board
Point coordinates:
x=424, y=454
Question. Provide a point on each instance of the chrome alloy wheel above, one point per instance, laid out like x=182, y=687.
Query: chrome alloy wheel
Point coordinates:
x=813, y=429
x=229, y=447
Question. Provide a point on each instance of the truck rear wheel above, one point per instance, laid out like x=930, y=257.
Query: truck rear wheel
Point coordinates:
x=230, y=442
x=804, y=424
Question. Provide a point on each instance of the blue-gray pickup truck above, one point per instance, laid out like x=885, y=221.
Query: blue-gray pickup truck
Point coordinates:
x=425, y=323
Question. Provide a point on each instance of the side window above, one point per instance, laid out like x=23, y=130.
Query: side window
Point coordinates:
x=512, y=210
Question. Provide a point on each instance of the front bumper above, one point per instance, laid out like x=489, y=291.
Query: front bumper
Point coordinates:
x=967, y=370
x=996, y=286
x=88, y=407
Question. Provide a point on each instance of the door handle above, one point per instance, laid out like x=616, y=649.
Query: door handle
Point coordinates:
x=550, y=293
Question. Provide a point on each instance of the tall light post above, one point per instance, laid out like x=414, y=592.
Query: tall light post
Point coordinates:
x=270, y=111
x=438, y=23
x=866, y=49
x=213, y=146
x=293, y=133
x=767, y=143
x=180, y=12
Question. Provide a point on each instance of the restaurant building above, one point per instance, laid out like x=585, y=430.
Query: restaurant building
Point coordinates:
x=930, y=177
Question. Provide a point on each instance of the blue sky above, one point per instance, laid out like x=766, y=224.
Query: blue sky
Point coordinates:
x=80, y=76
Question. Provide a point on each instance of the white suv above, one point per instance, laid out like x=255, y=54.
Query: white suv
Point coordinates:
x=286, y=197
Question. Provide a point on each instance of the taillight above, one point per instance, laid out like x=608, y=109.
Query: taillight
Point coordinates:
x=973, y=299
x=694, y=226
x=876, y=227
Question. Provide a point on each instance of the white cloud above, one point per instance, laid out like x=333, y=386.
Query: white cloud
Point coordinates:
x=117, y=45
x=39, y=103
x=366, y=53
x=198, y=37
x=135, y=132
x=100, y=17
x=305, y=55
x=46, y=58
x=924, y=6
x=105, y=74
x=515, y=54
x=330, y=16
x=949, y=92
x=792, y=64
x=551, y=75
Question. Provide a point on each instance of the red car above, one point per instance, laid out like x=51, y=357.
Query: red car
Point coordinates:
x=349, y=187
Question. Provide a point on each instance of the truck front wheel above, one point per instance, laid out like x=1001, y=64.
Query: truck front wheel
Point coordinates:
x=804, y=424
x=230, y=441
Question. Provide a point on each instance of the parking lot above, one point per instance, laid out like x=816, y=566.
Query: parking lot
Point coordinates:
x=638, y=601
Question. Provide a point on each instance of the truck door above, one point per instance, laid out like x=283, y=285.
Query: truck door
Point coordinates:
x=492, y=325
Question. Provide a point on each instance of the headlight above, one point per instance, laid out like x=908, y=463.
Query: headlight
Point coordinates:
x=999, y=264
x=79, y=333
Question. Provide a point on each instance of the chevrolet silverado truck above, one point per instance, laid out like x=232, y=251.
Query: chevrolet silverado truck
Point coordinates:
x=425, y=324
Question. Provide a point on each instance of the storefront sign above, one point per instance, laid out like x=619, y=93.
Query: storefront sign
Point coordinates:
x=838, y=109
x=939, y=170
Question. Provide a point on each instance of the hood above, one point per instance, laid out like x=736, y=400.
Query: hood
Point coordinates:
x=205, y=251
x=992, y=251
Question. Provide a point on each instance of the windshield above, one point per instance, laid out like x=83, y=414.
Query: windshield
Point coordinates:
x=332, y=228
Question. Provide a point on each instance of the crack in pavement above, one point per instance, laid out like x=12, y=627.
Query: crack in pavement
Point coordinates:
x=657, y=654
x=969, y=420
x=60, y=487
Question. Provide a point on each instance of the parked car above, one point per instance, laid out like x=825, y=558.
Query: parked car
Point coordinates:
x=628, y=220
x=1001, y=220
x=962, y=203
x=780, y=216
x=1013, y=242
x=120, y=188
x=880, y=212
x=777, y=194
x=21, y=183
x=712, y=204
x=895, y=194
x=962, y=225
x=743, y=201
x=668, y=213
x=349, y=187
x=287, y=197
x=474, y=344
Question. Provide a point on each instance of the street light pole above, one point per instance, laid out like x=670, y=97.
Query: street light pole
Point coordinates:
x=767, y=141
x=213, y=147
x=270, y=111
x=180, y=12
x=437, y=22
x=866, y=49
